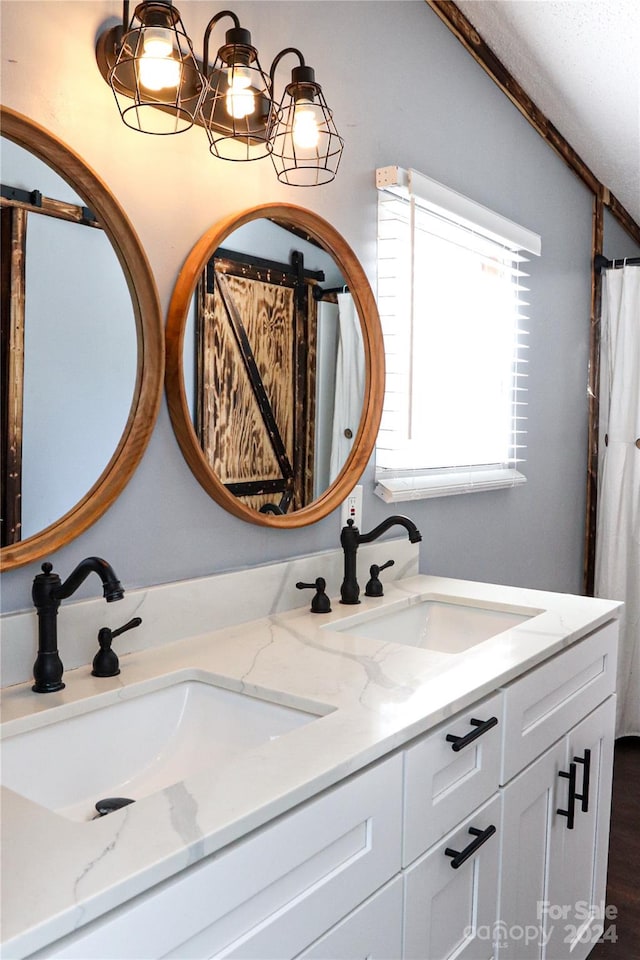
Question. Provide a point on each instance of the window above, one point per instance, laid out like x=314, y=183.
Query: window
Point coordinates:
x=451, y=303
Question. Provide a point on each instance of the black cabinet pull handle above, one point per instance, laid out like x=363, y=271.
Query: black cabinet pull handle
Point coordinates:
x=584, y=796
x=570, y=812
x=481, y=726
x=459, y=856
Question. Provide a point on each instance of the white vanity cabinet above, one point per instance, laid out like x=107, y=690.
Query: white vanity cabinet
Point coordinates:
x=555, y=823
x=452, y=846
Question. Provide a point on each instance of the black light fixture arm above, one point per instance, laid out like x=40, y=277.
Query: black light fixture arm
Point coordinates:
x=279, y=56
x=236, y=35
x=108, y=43
x=303, y=77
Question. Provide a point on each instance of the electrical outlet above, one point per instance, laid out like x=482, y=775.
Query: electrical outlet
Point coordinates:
x=352, y=508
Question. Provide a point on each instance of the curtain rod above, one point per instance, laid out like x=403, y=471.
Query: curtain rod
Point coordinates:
x=601, y=263
x=342, y=289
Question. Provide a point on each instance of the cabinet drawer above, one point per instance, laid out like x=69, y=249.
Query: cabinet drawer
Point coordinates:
x=452, y=913
x=372, y=932
x=269, y=895
x=541, y=706
x=442, y=784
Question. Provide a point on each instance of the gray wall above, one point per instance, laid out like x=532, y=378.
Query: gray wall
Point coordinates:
x=404, y=91
x=617, y=242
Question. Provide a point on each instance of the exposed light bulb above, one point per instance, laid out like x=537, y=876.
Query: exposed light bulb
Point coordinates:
x=240, y=101
x=305, y=127
x=157, y=67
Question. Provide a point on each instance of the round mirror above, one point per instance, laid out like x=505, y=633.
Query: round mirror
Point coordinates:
x=82, y=340
x=275, y=365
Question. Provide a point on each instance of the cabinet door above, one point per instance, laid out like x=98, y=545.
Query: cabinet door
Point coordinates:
x=553, y=876
x=528, y=822
x=578, y=865
x=452, y=912
x=372, y=932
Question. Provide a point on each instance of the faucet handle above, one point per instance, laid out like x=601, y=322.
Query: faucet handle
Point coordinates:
x=105, y=662
x=128, y=626
x=374, y=586
x=320, y=602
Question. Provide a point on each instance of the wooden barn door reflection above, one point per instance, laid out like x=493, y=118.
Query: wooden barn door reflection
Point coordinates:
x=256, y=380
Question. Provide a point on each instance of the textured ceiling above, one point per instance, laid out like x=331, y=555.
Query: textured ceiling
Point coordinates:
x=579, y=61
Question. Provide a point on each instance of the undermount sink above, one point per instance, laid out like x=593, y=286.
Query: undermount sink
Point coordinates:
x=435, y=624
x=140, y=745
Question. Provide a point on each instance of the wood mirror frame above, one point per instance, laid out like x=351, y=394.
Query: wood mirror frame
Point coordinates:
x=147, y=392
x=324, y=234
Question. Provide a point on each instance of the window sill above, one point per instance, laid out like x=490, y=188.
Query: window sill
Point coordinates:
x=394, y=488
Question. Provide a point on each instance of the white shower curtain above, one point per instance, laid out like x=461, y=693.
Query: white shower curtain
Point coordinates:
x=350, y=375
x=617, y=574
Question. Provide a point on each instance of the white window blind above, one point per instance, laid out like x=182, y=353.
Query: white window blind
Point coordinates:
x=451, y=302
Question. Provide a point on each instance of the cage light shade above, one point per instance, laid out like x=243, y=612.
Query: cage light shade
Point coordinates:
x=237, y=105
x=305, y=145
x=155, y=79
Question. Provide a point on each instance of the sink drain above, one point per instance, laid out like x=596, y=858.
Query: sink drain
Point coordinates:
x=109, y=804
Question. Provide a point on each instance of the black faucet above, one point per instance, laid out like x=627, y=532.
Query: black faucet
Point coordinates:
x=47, y=593
x=350, y=540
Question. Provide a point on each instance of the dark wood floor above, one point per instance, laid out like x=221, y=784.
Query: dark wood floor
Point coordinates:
x=623, y=886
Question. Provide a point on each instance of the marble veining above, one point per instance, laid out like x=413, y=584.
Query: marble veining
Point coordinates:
x=184, y=819
x=368, y=698
x=78, y=895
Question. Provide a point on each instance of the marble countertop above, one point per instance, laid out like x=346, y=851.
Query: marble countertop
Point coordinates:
x=370, y=698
